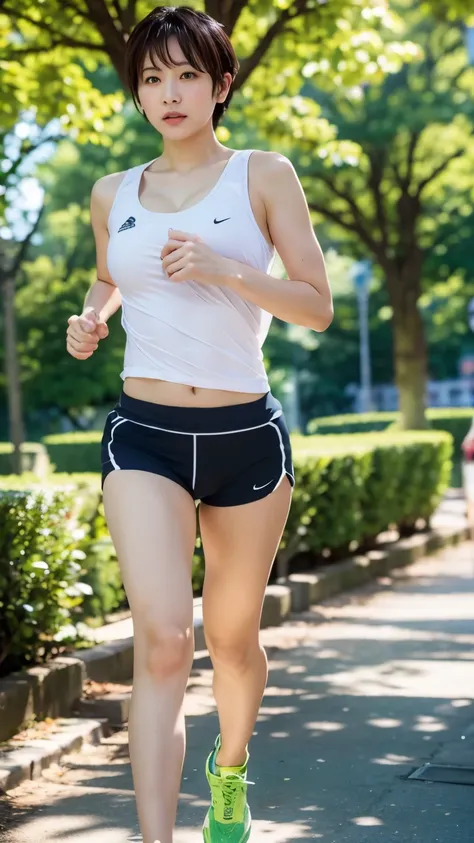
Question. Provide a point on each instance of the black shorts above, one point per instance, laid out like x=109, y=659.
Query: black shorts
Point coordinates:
x=223, y=456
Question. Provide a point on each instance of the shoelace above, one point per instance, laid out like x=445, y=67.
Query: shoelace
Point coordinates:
x=231, y=785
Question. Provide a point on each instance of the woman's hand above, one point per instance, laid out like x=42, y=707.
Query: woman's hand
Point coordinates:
x=84, y=334
x=186, y=258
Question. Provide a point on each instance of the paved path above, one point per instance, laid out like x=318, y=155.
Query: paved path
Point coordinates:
x=362, y=690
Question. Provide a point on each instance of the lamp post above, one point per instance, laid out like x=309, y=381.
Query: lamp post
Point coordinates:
x=361, y=275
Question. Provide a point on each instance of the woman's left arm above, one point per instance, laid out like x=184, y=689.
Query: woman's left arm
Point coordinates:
x=306, y=298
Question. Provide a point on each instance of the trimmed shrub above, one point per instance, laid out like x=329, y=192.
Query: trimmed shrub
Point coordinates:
x=34, y=458
x=348, y=490
x=453, y=420
x=351, y=488
x=351, y=423
x=40, y=564
x=74, y=452
x=80, y=452
x=99, y=570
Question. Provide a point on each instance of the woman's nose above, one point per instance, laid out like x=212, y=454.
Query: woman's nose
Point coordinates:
x=170, y=92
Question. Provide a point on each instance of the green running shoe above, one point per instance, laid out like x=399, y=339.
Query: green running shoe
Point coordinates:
x=228, y=820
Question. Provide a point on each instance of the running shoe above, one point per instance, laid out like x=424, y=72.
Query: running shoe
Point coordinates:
x=228, y=819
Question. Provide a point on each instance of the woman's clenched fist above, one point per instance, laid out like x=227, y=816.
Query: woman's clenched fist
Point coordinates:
x=84, y=333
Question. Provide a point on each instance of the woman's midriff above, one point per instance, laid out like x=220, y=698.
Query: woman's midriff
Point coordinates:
x=182, y=395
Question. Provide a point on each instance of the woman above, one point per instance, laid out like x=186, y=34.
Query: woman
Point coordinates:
x=184, y=245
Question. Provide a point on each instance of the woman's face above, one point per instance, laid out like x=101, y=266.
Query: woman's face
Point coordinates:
x=180, y=89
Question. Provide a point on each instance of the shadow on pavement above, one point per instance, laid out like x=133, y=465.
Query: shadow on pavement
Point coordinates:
x=351, y=708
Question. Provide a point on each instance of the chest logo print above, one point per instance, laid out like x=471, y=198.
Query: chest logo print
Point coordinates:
x=216, y=221
x=130, y=223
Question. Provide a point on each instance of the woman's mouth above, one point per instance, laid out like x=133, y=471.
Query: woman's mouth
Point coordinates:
x=174, y=119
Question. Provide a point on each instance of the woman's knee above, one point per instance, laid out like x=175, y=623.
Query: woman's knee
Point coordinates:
x=164, y=650
x=235, y=652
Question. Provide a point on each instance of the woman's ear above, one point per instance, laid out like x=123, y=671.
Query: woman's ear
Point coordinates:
x=225, y=87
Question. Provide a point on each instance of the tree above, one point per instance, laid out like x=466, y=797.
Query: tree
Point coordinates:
x=51, y=50
x=403, y=156
x=9, y=265
x=53, y=54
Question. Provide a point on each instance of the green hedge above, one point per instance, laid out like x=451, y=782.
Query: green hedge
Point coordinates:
x=351, y=423
x=99, y=571
x=351, y=488
x=77, y=452
x=348, y=490
x=456, y=421
x=74, y=452
x=453, y=420
x=34, y=458
x=39, y=573
x=80, y=452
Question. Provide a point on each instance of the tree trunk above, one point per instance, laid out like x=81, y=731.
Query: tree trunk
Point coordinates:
x=410, y=356
x=12, y=370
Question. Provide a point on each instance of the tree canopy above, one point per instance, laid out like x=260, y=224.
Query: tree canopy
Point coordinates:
x=373, y=106
x=52, y=52
x=398, y=179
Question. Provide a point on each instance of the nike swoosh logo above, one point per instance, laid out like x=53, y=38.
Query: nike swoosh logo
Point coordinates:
x=216, y=222
x=262, y=487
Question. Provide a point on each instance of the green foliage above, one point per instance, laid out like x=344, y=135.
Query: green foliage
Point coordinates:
x=450, y=9
x=61, y=61
x=350, y=488
x=51, y=52
x=74, y=452
x=397, y=178
x=99, y=570
x=407, y=481
x=40, y=564
x=34, y=458
x=453, y=420
x=351, y=423
x=51, y=377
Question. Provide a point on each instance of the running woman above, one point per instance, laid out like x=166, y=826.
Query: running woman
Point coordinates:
x=184, y=245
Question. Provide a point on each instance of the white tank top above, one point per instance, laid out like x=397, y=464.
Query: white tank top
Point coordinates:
x=186, y=332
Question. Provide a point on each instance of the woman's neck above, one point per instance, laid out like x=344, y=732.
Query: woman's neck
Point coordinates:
x=192, y=153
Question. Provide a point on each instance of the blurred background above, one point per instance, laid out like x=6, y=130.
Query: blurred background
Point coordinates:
x=375, y=107
x=373, y=102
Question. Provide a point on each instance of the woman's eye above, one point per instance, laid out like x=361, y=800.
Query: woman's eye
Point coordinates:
x=189, y=73
x=150, y=78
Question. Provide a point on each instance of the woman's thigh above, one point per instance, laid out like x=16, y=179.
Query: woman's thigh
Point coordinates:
x=152, y=522
x=240, y=544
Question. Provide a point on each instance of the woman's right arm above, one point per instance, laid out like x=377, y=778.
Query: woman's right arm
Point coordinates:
x=103, y=298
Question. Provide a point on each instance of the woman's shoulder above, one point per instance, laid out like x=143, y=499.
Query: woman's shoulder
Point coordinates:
x=105, y=189
x=269, y=174
x=267, y=164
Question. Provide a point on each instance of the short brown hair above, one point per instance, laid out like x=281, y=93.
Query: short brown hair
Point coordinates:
x=202, y=39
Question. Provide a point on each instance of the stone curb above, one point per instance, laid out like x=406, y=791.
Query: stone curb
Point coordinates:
x=43, y=691
x=113, y=708
x=36, y=755
x=56, y=690
x=308, y=589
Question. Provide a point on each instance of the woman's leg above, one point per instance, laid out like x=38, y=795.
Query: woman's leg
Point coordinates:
x=152, y=521
x=240, y=543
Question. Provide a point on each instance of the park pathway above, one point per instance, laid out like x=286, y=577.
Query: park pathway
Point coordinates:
x=363, y=689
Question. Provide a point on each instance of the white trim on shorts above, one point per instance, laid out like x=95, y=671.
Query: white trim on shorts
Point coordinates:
x=276, y=414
